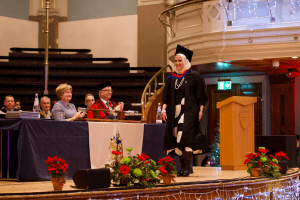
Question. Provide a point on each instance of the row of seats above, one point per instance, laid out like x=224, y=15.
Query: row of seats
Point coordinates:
x=22, y=75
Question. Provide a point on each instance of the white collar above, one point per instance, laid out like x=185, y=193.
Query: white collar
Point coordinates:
x=105, y=102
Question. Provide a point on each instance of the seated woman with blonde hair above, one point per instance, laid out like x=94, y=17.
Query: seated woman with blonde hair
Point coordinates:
x=64, y=94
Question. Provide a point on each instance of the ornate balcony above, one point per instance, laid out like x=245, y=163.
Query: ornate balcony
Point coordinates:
x=228, y=30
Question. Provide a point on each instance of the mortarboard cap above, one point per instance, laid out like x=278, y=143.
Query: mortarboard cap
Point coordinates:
x=188, y=53
x=103, y=85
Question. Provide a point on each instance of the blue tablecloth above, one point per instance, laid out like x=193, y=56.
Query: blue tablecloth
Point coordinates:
x=153, y=144
x=39, y=139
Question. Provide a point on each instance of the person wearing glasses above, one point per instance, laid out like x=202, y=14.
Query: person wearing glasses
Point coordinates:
x=105, y=93
x=89, y=101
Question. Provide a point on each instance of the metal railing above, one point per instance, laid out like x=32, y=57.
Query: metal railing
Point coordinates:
x=147, y=91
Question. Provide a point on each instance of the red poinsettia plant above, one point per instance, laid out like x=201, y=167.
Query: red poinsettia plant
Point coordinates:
x=281, y=156
x=56, y=166
x=167, y=165
x=267, y=164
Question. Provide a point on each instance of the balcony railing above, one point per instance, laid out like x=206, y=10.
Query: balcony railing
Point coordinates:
x=229, y=15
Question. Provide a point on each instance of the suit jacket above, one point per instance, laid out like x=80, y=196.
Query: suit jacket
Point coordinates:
x=4, y=109
x=43, y=115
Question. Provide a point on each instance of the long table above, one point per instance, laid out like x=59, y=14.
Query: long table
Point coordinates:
x=39, y=139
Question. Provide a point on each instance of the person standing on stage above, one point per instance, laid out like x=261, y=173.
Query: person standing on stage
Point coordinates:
x=183, y=99
x=63, y=107
x=105, y=93
x=45, y=108
x=9, y=103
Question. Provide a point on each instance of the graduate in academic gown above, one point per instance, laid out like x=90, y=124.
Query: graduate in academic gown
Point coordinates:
x=183, y=99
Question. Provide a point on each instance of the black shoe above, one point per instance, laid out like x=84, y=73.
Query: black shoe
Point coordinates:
x=181, y=171
x=186, y=157
x=187, y=168
x=181, y=160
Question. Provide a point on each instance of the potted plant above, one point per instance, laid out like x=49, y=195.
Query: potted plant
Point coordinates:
x=167, y=168
x=57, y=168
x=140, y=170
x=259, y=164
x=282, y=161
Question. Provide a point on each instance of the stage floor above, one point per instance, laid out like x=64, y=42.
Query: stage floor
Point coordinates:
x=200, y=174
x=10, y=188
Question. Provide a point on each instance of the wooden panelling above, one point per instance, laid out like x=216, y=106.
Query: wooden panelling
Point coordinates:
x=215, y=95
x=283, y=109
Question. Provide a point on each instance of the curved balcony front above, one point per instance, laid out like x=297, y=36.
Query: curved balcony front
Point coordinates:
x=227, y=30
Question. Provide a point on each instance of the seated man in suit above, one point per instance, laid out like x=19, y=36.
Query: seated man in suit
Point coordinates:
x=45, y=108
x=105, y=93
x=9, y=103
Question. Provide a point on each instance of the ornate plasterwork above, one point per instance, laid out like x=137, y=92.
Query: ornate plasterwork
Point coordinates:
x=203, y=28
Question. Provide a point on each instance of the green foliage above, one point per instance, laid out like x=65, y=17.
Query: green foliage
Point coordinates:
x=132, y=170
x=267, y=163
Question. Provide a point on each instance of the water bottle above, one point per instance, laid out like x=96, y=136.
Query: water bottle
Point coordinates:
x=158, y=114
x=62, y=116
x=36, y=104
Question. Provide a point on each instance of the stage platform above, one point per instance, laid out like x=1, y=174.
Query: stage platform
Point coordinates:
x=205, y=183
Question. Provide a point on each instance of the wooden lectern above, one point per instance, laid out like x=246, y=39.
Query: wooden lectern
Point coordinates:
x=236, y=131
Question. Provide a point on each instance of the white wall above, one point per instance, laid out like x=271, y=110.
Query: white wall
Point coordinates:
x=106, y=37
x=14, y=8
x=17, y=33
x=94, y=9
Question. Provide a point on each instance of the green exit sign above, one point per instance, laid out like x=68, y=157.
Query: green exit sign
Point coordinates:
x=224, y=85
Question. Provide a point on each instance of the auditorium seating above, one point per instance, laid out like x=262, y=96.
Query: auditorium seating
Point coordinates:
x=22, y=75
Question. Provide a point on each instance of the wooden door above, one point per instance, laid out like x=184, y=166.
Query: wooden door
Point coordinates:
x=215, y=95
x=282, y=109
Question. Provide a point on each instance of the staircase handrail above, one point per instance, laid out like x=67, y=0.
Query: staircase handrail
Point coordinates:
x=148, y=88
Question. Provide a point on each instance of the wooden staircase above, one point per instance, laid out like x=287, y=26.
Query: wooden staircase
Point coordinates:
x=23, y=75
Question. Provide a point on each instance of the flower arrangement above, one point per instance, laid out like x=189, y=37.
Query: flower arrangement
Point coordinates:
x=167, y=165
x=167, y=168
x=281, y=156
x=132, y=170
x=56, y=166
x=267, y=164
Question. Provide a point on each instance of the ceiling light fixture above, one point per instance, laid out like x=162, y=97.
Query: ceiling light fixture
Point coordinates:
x=294, y=57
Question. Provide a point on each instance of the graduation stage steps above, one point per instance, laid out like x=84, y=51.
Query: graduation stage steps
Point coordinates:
x=22, y=75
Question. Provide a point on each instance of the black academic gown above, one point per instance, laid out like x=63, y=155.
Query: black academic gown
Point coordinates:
x=195, y=95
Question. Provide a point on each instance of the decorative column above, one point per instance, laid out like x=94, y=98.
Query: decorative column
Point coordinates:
x=152, y=37
x=58, y=14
